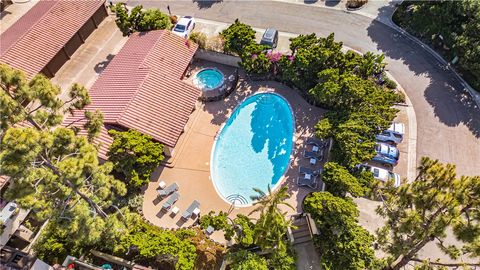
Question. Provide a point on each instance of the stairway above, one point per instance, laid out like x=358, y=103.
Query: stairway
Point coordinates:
x=302, y=233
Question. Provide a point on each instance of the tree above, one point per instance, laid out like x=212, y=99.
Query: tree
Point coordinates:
x=245, y=260
x=50, y=168
x=450, y=27
x=310, y=56
x=139, y=20
x=271, y=227
x=159, y=245
x=421, y=211
x=94, y=124
x=135, y=155
x=237, y=37
x=340, y=182
x=343, y=244
x=76, y=233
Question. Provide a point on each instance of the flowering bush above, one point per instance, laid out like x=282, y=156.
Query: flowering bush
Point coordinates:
x=255, y=61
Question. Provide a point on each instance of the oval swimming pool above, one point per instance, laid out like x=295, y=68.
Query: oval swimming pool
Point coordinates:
x=208, y=79
x=253, y=148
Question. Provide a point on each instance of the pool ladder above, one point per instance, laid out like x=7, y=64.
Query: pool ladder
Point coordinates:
x=236, y=198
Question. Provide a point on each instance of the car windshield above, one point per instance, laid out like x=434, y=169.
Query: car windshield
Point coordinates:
x=397, y=135
x=179, y=28
x=376, y=172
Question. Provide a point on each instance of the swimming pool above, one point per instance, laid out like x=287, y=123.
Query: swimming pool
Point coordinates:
x=253, y=148
x=209, y=79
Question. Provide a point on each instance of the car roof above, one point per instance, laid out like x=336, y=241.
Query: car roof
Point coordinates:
x=379, y=173
x=184, y=20
x=269, y=33
x=388, y=150
x=397, y=127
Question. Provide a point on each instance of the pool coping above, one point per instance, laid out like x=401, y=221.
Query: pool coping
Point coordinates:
x=282, y=178
x=207, y=88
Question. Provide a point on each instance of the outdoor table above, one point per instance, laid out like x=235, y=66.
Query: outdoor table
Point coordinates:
x=313, y=161
x=162, y=184
x=175, y=210
x=196, y=211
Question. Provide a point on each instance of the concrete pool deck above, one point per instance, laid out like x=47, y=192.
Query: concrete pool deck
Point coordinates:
x=190, y=168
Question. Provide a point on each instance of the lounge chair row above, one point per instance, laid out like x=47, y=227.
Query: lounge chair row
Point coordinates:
x=321, y=144
x=309, y=177
x=172, y=192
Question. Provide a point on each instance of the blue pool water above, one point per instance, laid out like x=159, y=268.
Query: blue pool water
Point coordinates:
x=253, y=148
x=208, y=78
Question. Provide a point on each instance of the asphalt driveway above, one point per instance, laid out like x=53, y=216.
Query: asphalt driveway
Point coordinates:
x=448, y=122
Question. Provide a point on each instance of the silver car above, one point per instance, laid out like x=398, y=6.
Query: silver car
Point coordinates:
x=392, y=135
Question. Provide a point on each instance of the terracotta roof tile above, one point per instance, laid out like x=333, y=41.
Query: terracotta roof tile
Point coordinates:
x=40, y=34
x=142, y=88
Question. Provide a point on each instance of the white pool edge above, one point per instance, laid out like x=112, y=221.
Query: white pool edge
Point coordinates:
x=208, y=88
x=282, y=178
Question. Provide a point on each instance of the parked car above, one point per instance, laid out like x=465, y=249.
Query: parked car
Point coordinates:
x=184, y=26
x=381, y=174
x=270, y=38
x=386, y=154
x=392, y=135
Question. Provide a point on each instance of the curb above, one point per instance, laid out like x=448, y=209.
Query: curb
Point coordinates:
x=473, y=93
x=387, y=21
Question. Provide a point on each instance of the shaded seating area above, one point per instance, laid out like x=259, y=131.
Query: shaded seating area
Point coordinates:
x=319, y=143
x=308, y=180
x=192, y=209
x=314, y=151
x=305, y=170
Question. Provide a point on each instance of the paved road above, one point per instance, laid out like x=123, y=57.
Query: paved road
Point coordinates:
x=448, y=122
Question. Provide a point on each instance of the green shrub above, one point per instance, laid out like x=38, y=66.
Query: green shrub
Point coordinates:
x=218, y=222
x=356, y=3
x=401, y=98
x=255, y=60
x=199, y=38
x=135, y=202
x=390, y=84
x=237, y=36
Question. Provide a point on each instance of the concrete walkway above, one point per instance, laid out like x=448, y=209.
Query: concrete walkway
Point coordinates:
x=307, y=257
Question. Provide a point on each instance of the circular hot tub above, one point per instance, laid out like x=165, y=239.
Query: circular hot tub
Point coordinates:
x=212, y=83
x=208, y=79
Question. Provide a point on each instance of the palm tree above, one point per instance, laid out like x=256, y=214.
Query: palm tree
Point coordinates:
x=271, y=226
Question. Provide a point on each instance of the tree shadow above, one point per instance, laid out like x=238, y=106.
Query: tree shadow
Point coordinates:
x=220, y=110
x=204, y=4
x=101, y=66
x=331, y=3
x=444, y=93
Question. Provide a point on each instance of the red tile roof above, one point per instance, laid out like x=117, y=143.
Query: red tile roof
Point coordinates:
x=142, y=88
x=3, y=181
x=40, y=34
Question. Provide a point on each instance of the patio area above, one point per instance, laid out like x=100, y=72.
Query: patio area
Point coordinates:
x=190, y=167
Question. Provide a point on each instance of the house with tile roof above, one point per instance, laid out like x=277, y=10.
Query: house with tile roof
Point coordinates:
x=142, y=89
x=45, y=37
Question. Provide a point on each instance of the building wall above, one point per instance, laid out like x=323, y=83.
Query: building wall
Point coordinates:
x=76, y=41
